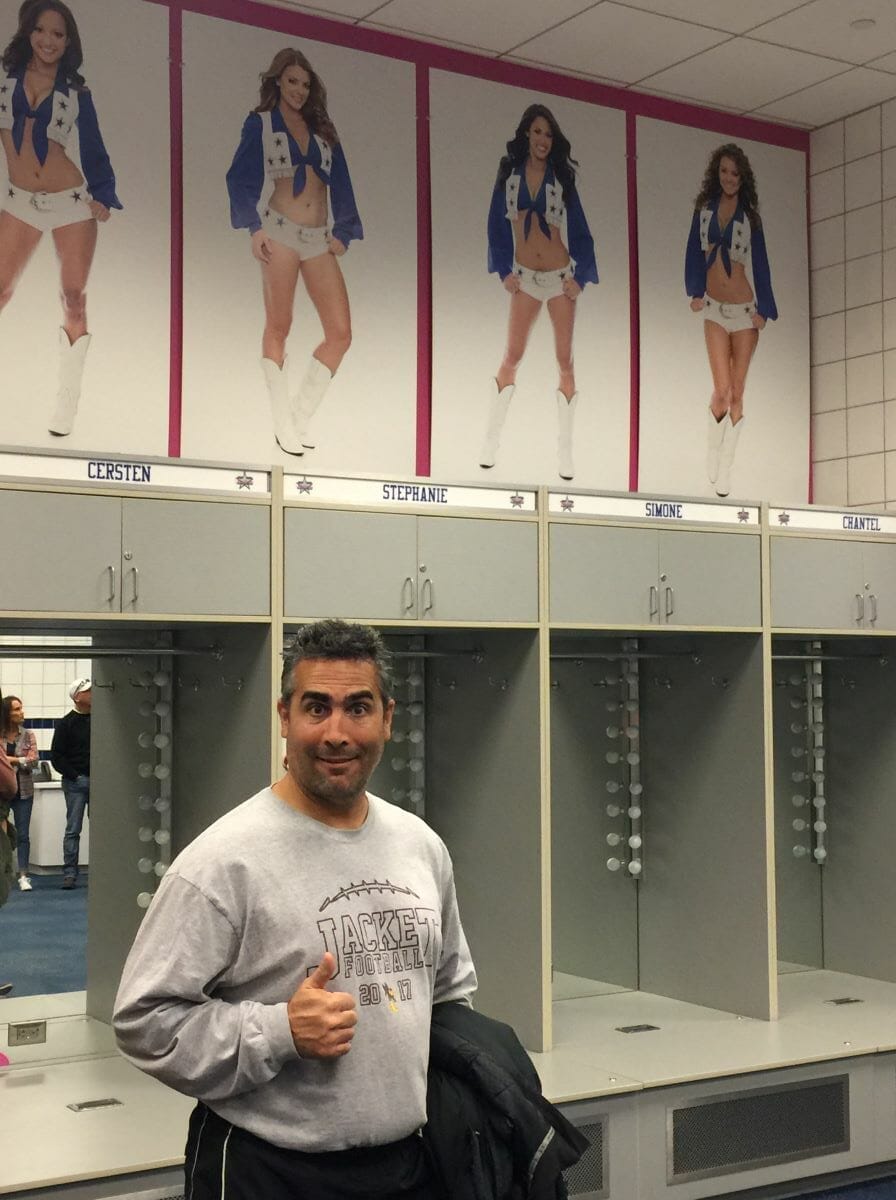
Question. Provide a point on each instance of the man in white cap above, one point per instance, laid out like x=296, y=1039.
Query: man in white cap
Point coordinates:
x=70, y=755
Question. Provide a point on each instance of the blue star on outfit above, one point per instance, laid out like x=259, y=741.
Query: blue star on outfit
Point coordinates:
x=738, y=242
x=268, y=151
x=548, y=208
x=53, y=120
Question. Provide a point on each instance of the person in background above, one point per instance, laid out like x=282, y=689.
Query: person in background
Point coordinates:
x=70, y=756
x=7, y=835
x=21, y=751
x=287, y=967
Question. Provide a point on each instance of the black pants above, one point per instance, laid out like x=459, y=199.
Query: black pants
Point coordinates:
x=224, y=1162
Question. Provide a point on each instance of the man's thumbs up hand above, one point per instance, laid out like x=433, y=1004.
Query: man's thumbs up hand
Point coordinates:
x=322, y=1022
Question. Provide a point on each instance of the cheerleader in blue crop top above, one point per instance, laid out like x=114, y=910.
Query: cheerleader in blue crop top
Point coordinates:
x=42, y=100
x=535, y=197
x=726, y=234
x=289, y=149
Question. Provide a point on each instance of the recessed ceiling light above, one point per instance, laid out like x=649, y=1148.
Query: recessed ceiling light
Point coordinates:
x=863, y=23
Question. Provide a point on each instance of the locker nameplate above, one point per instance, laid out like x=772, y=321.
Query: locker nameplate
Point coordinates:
x=652, y=508
x=840, y=522
x=135, y=472
x=400, y=493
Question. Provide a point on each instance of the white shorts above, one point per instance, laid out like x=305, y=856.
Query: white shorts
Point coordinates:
x=48, y=210
x=733, y=317
x=543, y=285
x=308, y=241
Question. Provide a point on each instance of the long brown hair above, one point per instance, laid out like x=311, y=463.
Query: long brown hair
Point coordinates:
x=314, y=109
x=711, y=187
x=17, y=54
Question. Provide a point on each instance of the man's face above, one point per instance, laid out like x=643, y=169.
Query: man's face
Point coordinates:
x=335, y=728
x=83, y=700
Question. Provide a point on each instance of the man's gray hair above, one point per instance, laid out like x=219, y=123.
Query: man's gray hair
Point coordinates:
x=334, y=639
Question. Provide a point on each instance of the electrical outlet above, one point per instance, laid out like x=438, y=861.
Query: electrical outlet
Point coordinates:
x=27, y=1033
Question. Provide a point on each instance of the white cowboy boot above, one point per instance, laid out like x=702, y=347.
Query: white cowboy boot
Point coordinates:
x=499, y=402
x=715, y=435
x=284, y=427
x=71, y=369
x=310, y=394
x=726, y=455
x=566, y=411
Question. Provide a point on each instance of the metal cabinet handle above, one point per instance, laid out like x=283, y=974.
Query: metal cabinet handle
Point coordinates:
x=427, y=595
x=670, y=601
x=111, y=595
x=407, y=594
x=136, y=576
x=860, y=608
x=873, y=600
x=653, y=600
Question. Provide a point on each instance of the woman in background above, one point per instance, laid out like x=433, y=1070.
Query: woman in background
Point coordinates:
x=7, y=836
x=20, y=745
x=534, y=194
x=726, y=234
x=42, y=99
x=290, y=144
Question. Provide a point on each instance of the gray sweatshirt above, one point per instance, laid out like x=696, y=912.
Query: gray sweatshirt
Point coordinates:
x=242, y=916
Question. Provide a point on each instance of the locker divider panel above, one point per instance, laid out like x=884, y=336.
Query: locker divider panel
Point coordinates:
x=703, y=921
x=594, y=911
x=484, y=801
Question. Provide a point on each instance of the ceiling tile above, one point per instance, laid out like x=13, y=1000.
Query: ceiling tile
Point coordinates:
x=612, y=40
x=847, y=93
x=823, y=27
x=745, y=74
x=488, y=24
x=731, y=15
x=568, y=71
x=335, y=9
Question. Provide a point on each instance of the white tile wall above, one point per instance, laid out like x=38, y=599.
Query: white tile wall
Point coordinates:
x=863, y=231
x=863, y=181
x=864, y=380
x=827, y=147
x=862, y=134
x=829, y=481
x=852, y=193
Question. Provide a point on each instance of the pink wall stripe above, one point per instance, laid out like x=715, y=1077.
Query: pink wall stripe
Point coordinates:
x=175, y=380
x=631, y=168
x=424, y=280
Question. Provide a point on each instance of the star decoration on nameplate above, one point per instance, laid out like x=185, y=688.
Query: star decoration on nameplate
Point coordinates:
x=567, y=504
x=304, y=486
x=516, y=500
x=784, y=518
x=76, y=196
x=743, y=516
x=245, y=481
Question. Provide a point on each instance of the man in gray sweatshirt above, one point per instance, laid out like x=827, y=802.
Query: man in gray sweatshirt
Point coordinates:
x=286, y=970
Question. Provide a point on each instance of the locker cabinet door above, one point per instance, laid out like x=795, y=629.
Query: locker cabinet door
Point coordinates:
x=814, y=582
x=195, y=556
x=711, y=579
x=64, y=549
x=472, y=569
x=600, y=575
x=879, y=585
x=350, y=564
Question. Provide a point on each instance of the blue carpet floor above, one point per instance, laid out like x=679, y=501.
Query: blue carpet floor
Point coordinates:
x=883, y=1189
x=43, y=938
